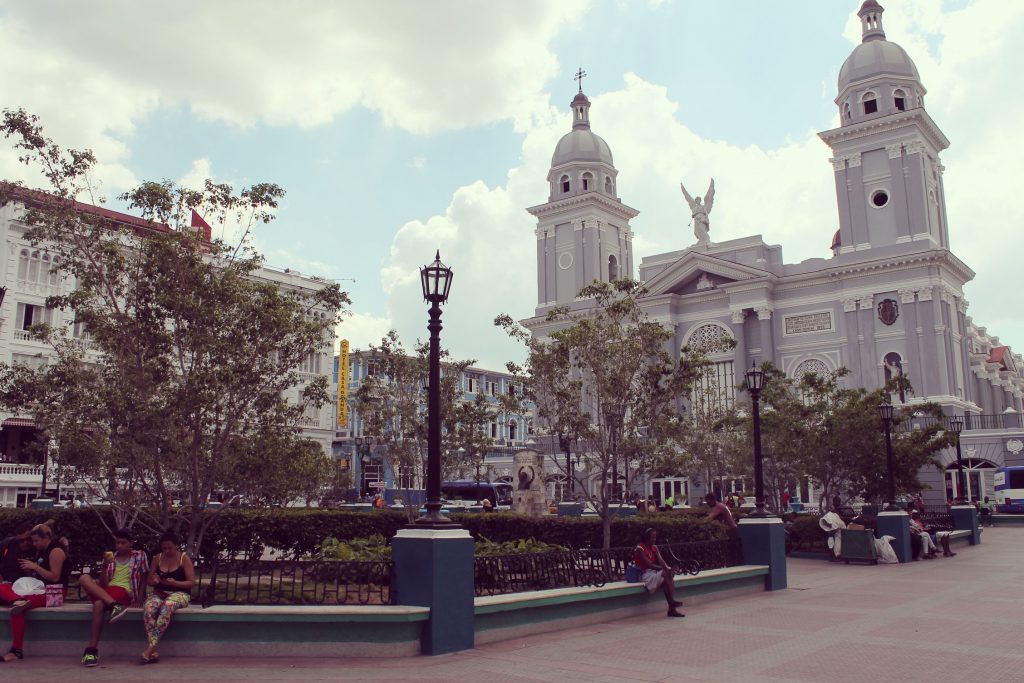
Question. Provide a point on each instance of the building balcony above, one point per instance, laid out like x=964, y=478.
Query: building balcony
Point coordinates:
x=15, y=473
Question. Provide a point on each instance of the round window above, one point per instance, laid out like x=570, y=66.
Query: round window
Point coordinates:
x=565, y=260
x=879, y=199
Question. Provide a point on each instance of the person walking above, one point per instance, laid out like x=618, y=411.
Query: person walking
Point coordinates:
x=172, y=577
x=720, y=512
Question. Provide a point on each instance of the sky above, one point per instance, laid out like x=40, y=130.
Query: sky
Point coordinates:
x=402, y=127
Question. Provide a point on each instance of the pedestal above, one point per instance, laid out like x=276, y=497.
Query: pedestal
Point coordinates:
x=896, y=523
x=764, y=542
x=434, y=568
x=966, y=517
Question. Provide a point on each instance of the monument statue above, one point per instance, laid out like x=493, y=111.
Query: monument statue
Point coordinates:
x=528, y=498
x=700, y=211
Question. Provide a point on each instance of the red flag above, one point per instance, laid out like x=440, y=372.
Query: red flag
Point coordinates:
x=198, y=222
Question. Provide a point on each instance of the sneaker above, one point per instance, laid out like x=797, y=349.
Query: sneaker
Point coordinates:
x=675, y=613
x=91, y=657
x=116, y=612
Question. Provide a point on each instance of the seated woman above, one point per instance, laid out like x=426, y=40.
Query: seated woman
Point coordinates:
x=51, y=567
x=655, y=572
x=172, y=577
x=930, y=537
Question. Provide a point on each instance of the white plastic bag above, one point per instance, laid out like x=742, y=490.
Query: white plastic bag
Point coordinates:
x=28, y=585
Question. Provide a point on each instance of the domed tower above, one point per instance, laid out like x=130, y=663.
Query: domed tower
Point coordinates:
x=886, y=150
x=583, y=230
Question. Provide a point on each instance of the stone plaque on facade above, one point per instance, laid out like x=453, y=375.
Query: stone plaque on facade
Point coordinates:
x=809, y=322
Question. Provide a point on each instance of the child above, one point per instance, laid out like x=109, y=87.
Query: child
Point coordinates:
x=122, y=583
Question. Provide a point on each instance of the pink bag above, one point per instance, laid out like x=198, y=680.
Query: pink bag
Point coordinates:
x=55, y=595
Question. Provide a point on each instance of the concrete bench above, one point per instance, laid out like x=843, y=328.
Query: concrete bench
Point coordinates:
x=960, y=537
x=234, y=630
x=511, y=615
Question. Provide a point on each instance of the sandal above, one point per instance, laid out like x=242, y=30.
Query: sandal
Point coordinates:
x=19, y=606
x=13, y=655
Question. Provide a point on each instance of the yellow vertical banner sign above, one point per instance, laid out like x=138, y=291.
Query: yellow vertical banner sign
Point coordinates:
x=343, y=384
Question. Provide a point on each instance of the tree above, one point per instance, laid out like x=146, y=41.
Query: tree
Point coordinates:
x=392, y=408
x=813, y=426
x=471, y=441
x=198, y=350
x=607, y=375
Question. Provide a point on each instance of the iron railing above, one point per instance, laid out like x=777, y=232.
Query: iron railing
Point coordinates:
x=499, y=574
x=280, y=582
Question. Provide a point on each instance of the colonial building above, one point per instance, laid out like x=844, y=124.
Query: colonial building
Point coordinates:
x=28, y=274
x=889, y=300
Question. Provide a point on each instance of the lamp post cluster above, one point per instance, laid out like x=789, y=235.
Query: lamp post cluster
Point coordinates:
x=436, y=279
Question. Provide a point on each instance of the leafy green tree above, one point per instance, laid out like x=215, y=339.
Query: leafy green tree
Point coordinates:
x=814, y=426
x=392, y=405
x=196, y=349
x=607, y=375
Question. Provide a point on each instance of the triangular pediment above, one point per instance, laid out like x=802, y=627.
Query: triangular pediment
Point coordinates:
x=695, y=273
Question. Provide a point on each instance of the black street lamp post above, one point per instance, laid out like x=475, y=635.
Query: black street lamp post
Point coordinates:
x=436, y=279
x=755, y=382
x=565, y=444
x=956, y=425
x=885, y=413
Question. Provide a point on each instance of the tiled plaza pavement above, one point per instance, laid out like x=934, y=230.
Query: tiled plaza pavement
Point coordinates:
x=954, y=619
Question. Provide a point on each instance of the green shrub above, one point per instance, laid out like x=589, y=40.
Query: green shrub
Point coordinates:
x=524, y=546
x=807, y=532
x=300, y=532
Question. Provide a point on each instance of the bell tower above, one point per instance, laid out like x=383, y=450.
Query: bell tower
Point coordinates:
x=583, y=231
x=885, y=154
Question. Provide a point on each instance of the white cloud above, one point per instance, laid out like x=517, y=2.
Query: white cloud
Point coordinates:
x=424, y=66
x=786, y=194
x=363, y=329
x=417, y=162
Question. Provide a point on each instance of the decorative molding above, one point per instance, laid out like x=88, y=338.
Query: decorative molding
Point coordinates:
x=738, y=315
x=915, y=147
x=907, y=295
x=838, y=163
x=915, y=118
x=763, y=312
x=854, y=159
x=849, y=305
x=962, y=305
x=924, y=294
x=894, y=151
x=867, y=303
x=577, y=224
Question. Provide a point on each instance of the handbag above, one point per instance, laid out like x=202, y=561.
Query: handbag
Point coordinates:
x=633, y=573
x=54, y=595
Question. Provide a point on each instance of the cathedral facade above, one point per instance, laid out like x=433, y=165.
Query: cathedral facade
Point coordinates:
x=889, y=301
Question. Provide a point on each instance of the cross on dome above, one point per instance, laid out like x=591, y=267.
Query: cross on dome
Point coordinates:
x=580, y=75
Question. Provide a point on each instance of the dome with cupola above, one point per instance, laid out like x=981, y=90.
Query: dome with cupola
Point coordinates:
x=581, y=143
x=879, y=77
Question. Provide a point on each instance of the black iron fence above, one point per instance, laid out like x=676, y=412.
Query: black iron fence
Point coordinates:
x=499, y=574
x=281, y=582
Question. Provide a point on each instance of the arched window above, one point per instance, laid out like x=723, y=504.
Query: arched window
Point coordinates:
x=870, y=101
x=33, y=267
x=708, y=335
x=846, y=111
x=714, y=390
x=809, y=366
x=899, y=98
x=608, y=184
x=588, y=181
x=613, y=268
x=512, y=430
x=565, y=183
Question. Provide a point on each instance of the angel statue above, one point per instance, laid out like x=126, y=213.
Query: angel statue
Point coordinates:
x=699, y=211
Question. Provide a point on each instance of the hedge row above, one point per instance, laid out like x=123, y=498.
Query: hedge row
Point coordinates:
x=297, y=532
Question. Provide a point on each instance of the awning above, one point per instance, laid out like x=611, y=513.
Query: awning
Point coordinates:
x=19, y=422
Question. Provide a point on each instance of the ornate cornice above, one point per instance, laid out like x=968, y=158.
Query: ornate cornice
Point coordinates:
x=912, y=118
x=606, y=203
